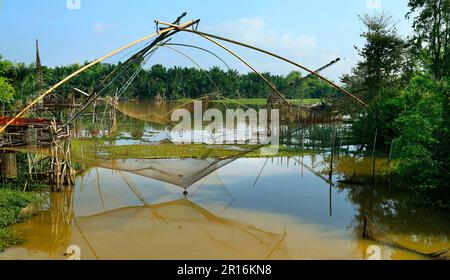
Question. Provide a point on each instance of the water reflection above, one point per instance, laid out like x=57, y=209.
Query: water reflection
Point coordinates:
x=236, y=207
x=240, y=211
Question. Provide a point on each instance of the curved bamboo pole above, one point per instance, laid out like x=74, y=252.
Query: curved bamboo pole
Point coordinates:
x=247, y=64
x=202, y=49
x=283, y=59
x=206, y=74
x=84, y=68
x=193, y=61
x=204, y=34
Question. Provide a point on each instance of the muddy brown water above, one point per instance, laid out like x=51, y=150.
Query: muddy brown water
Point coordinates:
x=250, y=208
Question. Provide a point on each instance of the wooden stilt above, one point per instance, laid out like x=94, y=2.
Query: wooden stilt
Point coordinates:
x=8, y=165
x=367, y=230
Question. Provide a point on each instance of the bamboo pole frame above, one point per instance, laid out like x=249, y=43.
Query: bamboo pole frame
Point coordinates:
x=204, y=34
x=97, y=61
x=207, y=36
x=248, y=65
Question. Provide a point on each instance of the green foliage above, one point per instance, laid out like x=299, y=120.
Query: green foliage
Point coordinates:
x=22, y=177
x=383, y=111
x=11, y=204
x=383, y=57
x=408, y=105
x=173, y=83
x=6, y=91
x=432, y=34
x=422, y=151
x=414, y=119
x=8, y=238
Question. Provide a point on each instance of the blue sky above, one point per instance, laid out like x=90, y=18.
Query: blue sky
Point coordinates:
x=310, y=32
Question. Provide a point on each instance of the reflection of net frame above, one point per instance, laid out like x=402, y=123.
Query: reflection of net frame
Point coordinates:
x=179, y=172
x=212, y=233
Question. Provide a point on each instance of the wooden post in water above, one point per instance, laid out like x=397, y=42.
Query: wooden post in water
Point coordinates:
x=94, y=107
x=367, y=229
x=55, y=168
x=331, y=171
x=341, y=143
x=8, y=165
x=113, y=122
x=61, y=171
x=303, y=152
x=373, y=153
x=331, y=199
x=31, y=138
x=332, y=156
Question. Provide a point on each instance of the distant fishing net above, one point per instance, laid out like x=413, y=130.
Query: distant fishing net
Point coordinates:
x=158, y=112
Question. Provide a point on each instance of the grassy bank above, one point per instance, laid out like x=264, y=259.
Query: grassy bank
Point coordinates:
x=257, y=101
x=89, y=150
x=15, y=207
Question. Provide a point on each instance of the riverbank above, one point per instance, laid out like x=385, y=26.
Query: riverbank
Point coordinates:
x=258, y=101
x=15, y=207
x=87, y=150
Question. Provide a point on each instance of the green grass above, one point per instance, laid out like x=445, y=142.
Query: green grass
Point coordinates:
x=256, y=101
x=244, y=101
x=88, y=151
x=11, y=204
x=307, y=101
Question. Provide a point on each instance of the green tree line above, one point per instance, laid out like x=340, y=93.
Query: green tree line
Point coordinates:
x=18, y=82
x=406, y=82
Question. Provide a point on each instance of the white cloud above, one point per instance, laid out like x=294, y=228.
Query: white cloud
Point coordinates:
x=100, y=27
x=254, y=31
x=300, y=47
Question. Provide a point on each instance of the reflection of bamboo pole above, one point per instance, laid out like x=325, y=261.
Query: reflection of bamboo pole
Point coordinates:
x=341, y=144
x=331, y=200
x=100, y=190
x=85, y=239
x=369, y=233
x=277, y=245
x=133, y=188
x=97, y=61
x=368, y=229
x=332, y=156
x=314, y=172
x=260, y=172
